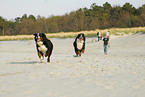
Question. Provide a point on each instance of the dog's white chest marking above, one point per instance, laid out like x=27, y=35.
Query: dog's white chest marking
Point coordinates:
x=42, y=47
x=80, y=44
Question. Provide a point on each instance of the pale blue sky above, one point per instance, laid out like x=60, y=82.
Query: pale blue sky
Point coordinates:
x=11, y=9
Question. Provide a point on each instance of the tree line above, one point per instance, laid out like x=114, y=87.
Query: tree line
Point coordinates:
x=95, y=17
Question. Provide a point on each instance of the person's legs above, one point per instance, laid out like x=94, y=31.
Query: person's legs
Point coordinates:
x=105, y=49
x=108, y=37
x=98, y=38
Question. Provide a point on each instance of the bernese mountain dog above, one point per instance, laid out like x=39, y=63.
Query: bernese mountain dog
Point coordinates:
x=44, y=46
x=79, y=44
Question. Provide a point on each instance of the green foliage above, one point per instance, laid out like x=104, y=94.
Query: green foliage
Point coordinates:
x=32, y=17
x=95, y=17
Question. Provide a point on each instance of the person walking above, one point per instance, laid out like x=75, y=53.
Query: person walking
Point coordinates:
x=99, y=36
x=106, y=43
x=108, y=34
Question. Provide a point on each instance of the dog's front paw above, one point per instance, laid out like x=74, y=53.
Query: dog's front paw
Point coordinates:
x=41, y=60
x=39, y=48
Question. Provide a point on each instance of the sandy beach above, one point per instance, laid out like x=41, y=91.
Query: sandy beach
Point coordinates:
x=121, y=73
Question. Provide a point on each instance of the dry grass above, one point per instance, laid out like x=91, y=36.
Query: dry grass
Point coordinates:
x=115, y=31
x=16, y=37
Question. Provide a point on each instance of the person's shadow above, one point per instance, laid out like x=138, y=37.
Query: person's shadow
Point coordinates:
x=24, y=63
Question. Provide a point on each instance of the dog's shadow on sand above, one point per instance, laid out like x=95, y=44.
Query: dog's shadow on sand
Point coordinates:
x=75, y=56
x=25, y=63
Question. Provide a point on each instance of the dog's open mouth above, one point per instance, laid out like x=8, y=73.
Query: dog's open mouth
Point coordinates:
x=38, y=40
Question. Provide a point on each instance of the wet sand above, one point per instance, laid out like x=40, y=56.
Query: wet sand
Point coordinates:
x=121, y=73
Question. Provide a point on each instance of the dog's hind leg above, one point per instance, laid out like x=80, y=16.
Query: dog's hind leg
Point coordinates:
x=48, y=59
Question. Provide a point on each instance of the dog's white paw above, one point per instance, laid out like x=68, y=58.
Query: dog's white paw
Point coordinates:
x=41, y=60
x=39, y=48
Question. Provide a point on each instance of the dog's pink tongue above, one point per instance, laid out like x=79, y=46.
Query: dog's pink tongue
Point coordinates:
x=38, y=39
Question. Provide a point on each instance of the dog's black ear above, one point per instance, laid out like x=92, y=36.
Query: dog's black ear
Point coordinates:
x=43, y=35
x=78, y=36
x=35, y=34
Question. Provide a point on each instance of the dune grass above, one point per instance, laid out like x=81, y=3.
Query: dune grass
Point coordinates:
x=115, y=31
x=16, y=37
x=93, y=33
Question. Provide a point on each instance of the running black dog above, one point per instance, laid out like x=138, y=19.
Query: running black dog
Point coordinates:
x=43, y=45
x=79, y=44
